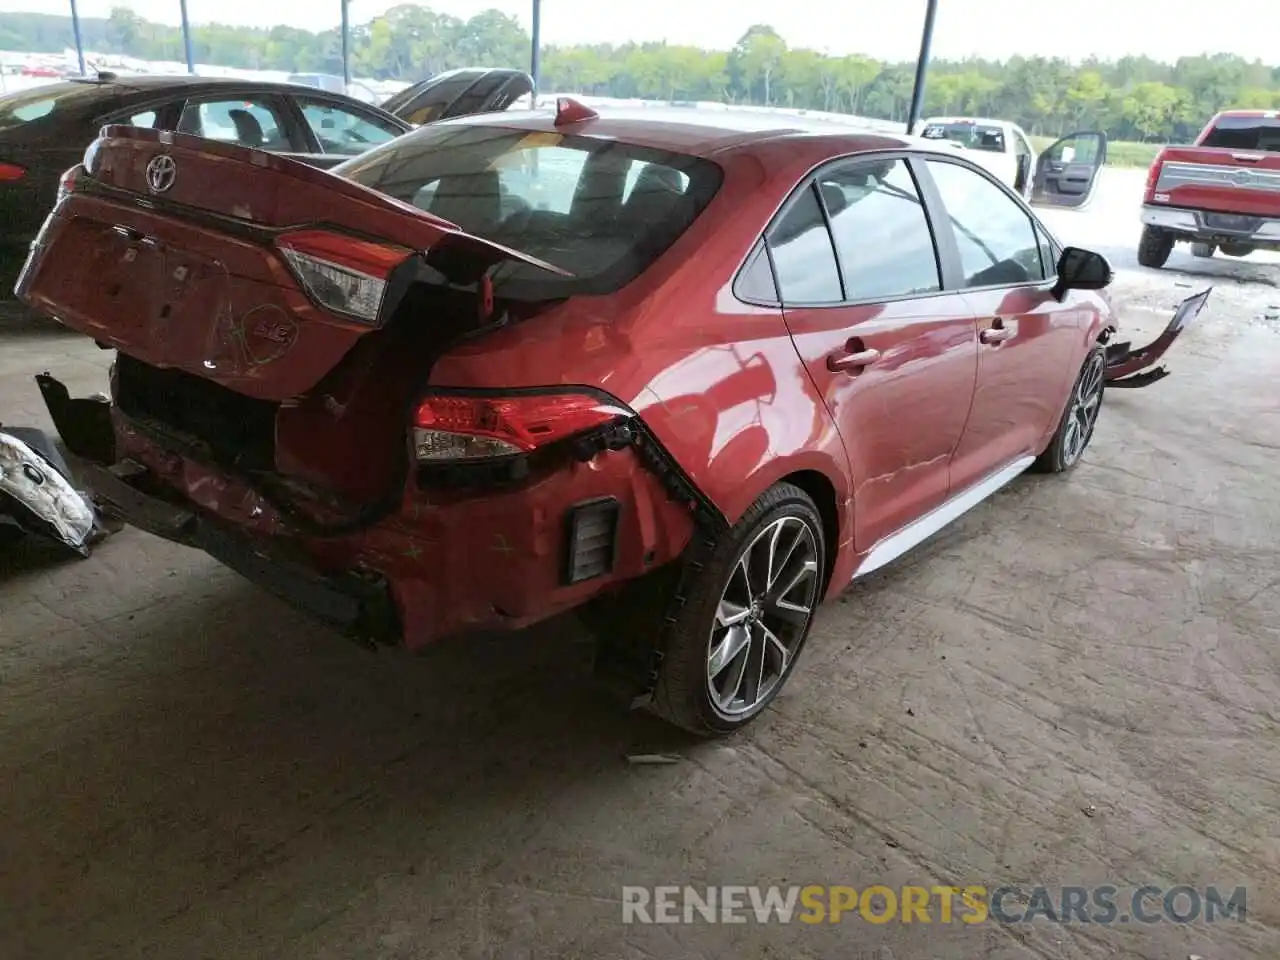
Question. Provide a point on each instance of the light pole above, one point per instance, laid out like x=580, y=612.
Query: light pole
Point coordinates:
x=75, y=28
x=346, y=45
x=922, y=65
x=186, y=37
x=535, y=54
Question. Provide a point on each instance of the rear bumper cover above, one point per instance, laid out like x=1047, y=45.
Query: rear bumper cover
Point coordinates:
x=360, y=607
x=445, y=563
x=1200, y=225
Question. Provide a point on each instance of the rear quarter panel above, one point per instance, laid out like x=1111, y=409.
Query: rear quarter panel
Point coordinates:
x=718, y=381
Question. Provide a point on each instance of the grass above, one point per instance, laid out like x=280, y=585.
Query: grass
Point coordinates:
x=1120, y=153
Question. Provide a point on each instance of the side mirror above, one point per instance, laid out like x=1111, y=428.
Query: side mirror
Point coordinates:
x=1080, y=269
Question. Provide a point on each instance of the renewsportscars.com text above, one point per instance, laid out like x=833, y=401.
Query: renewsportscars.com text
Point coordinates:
x=878, y=904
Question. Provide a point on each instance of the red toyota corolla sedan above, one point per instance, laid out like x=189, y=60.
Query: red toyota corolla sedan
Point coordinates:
x=690, y=377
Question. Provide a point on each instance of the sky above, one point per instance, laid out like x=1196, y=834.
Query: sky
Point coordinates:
x=1165, y=29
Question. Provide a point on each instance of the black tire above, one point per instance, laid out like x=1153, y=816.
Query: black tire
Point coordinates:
x=684, y=692
x=1154, y=247
x=1067, y=447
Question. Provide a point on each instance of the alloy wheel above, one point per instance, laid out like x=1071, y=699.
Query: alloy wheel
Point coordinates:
x=762, y=616
x=1086, y=401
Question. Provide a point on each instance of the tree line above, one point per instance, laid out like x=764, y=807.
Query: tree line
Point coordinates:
x=1133, y=98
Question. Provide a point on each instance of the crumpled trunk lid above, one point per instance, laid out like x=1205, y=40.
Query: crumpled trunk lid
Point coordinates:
x=170, y=249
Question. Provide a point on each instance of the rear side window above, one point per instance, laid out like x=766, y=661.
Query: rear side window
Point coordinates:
x=802, y=254
x=561, y=198
x=974, y=136
x=882, y=234
x=1260, y=133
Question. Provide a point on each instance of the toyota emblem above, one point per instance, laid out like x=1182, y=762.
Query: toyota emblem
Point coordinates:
x=162, y=171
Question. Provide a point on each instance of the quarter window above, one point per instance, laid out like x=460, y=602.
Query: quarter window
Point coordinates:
x=802, y=254
x=881, y=232
x=997, y=239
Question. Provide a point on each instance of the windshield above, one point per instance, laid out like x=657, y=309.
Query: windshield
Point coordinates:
x=974, y=136
x=599, y=209
x=1244, y=133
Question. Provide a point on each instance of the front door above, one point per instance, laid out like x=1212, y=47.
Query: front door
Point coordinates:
x=1067, y=172
x=893, y=357
x=1028, y=342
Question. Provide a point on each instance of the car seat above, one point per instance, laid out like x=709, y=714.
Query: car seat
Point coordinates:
x=248, y=129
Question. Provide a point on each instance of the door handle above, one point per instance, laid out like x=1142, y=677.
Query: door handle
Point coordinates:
x=996, y=334
x=851, y=362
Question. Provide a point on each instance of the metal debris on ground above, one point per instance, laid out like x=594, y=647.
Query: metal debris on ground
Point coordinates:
x=651, y=759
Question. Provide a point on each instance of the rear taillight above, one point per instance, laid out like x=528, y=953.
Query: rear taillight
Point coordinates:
x=10, y=172
x=1153, y=178
x=448, y=428
x=344, y=274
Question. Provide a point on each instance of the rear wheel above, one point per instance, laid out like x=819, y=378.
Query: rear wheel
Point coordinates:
x=1201, y=249
x=1075, y=429
x=1154, y=247
x=744, y=617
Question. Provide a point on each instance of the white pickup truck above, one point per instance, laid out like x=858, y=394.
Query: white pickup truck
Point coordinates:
x=1065, y=175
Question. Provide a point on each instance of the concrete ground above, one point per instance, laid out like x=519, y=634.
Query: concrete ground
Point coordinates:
x=1077, y=684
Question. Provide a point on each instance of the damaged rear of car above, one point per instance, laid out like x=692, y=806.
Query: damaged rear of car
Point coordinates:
x=272, y=402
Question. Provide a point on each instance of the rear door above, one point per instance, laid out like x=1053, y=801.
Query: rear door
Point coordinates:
x=893, y=356
x=1067, y=172
x=1029, y=344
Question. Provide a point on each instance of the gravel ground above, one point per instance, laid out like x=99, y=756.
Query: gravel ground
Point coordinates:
x=1077, y=684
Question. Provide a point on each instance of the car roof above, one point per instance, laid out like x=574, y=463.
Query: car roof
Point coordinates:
x=706, y=133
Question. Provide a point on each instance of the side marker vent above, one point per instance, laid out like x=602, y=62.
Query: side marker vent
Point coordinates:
x=592, y=539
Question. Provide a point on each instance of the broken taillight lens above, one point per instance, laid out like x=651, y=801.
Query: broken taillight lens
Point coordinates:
x=452, y=428
x=344, y=274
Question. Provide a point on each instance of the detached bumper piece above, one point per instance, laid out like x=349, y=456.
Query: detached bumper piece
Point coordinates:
x=1129, y=368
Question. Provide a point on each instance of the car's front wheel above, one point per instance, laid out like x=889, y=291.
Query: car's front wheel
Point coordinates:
x=744, y=616
x=1075, y=429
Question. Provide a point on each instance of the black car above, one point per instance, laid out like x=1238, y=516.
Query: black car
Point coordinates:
x=44, y=132
x=459, y=93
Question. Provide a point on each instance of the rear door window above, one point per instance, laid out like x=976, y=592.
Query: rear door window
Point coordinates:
x=344, y=131
x=561, y=198
x=883, y=240
x=249, y=123
x=1260, y=133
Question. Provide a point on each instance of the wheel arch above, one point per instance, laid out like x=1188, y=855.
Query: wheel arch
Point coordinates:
x=823, y=493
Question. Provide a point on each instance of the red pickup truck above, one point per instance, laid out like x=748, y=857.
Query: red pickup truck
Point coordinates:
x=1222, y=193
